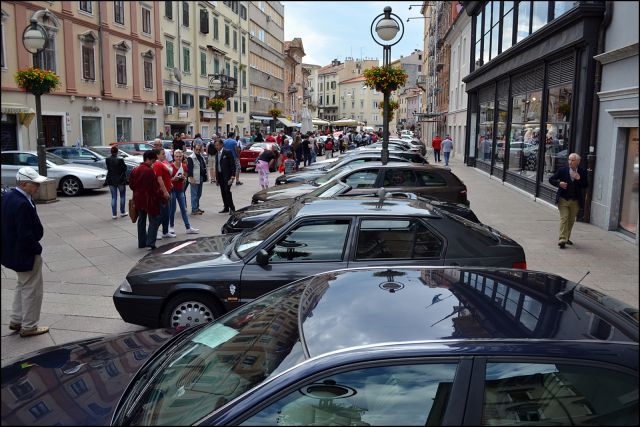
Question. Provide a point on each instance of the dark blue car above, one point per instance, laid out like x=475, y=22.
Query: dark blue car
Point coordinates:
x=371, y=346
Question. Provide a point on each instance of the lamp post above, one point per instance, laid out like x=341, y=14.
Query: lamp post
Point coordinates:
x=215, y=85
x=387, y=26
x=34, y=39
x=274, y=99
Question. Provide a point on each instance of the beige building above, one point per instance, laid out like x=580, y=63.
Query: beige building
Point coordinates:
x=294, y=79
x=360, y=103
x=311, y=87
x=202, y=39
x=107, y=56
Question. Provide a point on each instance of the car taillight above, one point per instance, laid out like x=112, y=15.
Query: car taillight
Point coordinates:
x=462, y=195
x=522, y=265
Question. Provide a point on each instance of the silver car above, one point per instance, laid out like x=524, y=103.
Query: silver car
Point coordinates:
x=105, y=150
x=70, y=179
x=90, y=156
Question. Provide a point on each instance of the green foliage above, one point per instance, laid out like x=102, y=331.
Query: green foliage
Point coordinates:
x=385, y=79
x=216, y=104
x=37, y=81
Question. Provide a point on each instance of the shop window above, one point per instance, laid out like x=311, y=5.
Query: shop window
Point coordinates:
x=91, y=130
x=123, y=128
x=557, y=138
x=501, y=136
x=149, y=126
x=9, y=139
x=485, y=131
x=629, y=205
x=525, y=133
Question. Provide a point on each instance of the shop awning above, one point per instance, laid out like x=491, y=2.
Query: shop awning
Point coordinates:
x=25, y=114
x=261, y=118
x=288, y=123
x=320, y=122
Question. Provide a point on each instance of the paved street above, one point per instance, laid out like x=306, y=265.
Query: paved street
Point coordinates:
x=87, y=254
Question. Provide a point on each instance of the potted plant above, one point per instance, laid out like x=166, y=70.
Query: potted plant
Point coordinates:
x=216, y=104
x=275, y=113
x=37, y=81
x=385, y=79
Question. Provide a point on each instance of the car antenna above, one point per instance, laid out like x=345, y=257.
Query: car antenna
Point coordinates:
x=567, y=296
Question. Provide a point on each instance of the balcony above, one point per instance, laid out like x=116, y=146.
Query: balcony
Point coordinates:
x=421, y=82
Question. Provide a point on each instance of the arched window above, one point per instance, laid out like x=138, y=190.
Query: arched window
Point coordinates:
x=46, y=58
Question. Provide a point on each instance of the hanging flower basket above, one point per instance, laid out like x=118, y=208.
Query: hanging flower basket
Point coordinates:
x=274, y=112
x=385, y=79
x=37, y=81
x=216, y=104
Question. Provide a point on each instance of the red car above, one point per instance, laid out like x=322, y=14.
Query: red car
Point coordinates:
x=136, y=148
x=249, y=155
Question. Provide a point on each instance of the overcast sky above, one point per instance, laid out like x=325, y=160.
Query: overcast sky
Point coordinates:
x=338, y=29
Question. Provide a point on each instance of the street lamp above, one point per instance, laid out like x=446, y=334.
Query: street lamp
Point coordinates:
x=274, y=99
x=216, y=85
x=34, y=39
x=387, y=26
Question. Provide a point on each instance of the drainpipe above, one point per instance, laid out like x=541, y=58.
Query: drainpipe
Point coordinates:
x=100, y=35
x=595, y=111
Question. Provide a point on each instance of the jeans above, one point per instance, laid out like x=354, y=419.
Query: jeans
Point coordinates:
x=446, y=157
x=436, y=155
x=147, y=237
x=196, y=193
x=164, y=217
x=114, y=198
x=178, y=197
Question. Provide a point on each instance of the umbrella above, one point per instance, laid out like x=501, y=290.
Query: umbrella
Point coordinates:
x=319, y=122
x=345, y=122
x=306, y=122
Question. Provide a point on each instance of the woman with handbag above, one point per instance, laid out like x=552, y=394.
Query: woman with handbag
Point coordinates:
x=178, y=169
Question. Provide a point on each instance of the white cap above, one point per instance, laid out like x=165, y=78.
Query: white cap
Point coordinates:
x=28, y=174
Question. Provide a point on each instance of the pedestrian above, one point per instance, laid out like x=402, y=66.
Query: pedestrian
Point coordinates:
x=306, y=150
x=258, y=137
x=197, y=174
x=265, y=162
x=571, y=182
x=178, y=144
x=178, y=171
x=232, y=145
x=147, y=197
x=237, y=159
x=344, y=142
x=328, y=147
x=297, y=151
x=313, y=148
x=116, y=180
x=211, y=159
x=157, y=144
x=289, y=164
x=436, y=143
x=447, y=147
x=225, y=173
x=22, y=252
x=161, y=169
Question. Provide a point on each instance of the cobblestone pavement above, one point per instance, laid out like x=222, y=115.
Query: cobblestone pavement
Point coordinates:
x=87, y=254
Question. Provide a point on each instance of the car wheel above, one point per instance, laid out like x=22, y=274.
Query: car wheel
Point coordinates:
x=70, y=186
x=190, y=309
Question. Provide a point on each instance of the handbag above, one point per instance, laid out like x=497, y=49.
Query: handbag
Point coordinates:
x=133, y=212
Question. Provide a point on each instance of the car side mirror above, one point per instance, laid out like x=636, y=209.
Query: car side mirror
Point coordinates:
x=262, y=257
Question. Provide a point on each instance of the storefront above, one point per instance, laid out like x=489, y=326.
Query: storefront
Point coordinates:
x=531, y=89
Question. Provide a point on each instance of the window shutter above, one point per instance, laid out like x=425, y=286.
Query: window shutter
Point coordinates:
x=561, y=72
x=527, y=82
x=204, y=21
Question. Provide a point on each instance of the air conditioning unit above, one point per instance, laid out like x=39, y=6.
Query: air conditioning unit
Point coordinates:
x=168, y=110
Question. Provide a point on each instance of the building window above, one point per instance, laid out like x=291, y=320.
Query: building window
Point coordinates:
x=185, y=13
x=203, y=63
x=235, y=40
x=46, y=58
x=169, y=50
x=235, y=72
x=227, y=67
x=235, y=106
x=562, y=7
x=204, y=21
x=202, y=102
x=244, y=78
x=146, y=21
x=79, y=387
x=121, y=69
x=229, y=105
x=168, y=9
x=40, y=409
x=149, y=126
x=243, y=12
x=226, y=34
x=170, y=98
x=187, y=100
x=216, y=66
x=186, y=60
x=540, y=15
x=123, y=128
x=88, y=64
x=86, y=6
x=215, y=28
x=524, y=20
x=148, y=75
x=507, y=26
x=118, y=12
x=334, y=99
x=244, y=110
x=243, y=43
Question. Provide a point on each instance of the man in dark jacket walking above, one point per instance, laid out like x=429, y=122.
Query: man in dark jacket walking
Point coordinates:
x=571, y=181
x=117, y=181
x=225, y=174
x=21, y=252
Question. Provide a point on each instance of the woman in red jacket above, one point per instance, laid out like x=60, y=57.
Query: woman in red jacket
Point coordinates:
x=147, y=197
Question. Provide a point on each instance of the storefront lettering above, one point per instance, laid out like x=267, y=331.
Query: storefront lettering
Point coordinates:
x=152, y=112
x=90, y=108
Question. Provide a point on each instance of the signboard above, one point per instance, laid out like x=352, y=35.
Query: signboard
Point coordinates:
x=183, y=114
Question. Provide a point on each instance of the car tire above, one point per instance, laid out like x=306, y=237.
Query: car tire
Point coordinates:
x=70, y=186
x=189, y=309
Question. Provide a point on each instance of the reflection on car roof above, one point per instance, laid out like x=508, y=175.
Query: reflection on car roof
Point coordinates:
x=366, y=206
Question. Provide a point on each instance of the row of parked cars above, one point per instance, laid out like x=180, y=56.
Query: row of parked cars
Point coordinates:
x=347, y=304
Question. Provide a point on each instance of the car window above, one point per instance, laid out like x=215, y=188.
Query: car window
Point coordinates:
x=362, y=179
x=56, y=160
x=398, y=238
x=26, y=159
x=60, y=152
x=9, y=158
x=430, y=179
x=315, y=240
x=558, y=394
x=379, y=396
x=399, y=178
x=86, y=154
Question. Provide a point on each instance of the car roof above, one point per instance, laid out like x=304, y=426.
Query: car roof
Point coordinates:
x=404, y=165
x=409, y=304
x=366, y=206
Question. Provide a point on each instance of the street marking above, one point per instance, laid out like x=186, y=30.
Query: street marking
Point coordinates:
x=177, y=248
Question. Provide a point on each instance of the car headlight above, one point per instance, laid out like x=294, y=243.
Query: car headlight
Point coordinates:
x=126, y=287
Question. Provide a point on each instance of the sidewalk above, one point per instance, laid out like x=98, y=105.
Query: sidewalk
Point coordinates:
x=87, y=254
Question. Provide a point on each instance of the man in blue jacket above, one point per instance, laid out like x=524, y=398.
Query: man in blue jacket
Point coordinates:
x=21, y=252
x=571, y=181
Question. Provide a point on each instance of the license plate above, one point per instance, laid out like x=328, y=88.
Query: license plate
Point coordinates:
x=252, y=163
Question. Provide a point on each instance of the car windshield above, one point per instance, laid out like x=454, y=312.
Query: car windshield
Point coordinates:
x=56, y=160
x=329, y=190
x=220, y=362
x=331, y=175
x=250, y=239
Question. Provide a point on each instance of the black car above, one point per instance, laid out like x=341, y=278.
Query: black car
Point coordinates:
x=373, y=346
x=427, y=180
x=186, y=283
x=251, y=216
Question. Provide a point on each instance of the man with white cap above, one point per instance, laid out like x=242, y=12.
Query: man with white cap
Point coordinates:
x=21, y=252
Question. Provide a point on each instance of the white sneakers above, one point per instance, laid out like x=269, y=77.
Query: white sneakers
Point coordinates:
x=171, y=230
x=124, y=214
x=169, y=234
x=192, y=230
x=159, y=236
x=114, y=216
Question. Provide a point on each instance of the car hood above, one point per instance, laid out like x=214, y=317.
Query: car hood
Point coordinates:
x=305, y=175
x=91, y=170
x=266, y=209
x=284, y=191
x=169, y=260
x=80, y=383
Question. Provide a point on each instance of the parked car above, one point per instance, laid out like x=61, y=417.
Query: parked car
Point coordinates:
x=70, y=179
x=136, y=148
x=249, y=156
x=191, y=282
x=251, y=216
x=425, y=180
x=105, y=150
x=88, y=156
x=372, y=346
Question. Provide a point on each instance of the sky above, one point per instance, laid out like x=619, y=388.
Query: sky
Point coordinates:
x=338, y=29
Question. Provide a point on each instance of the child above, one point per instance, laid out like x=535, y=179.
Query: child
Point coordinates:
x=289, y=164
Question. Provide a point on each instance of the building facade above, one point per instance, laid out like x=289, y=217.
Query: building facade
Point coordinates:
x=360, y=103
x=311, y=87
x=107, y=55
x=294, y=79
x=266, y=61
